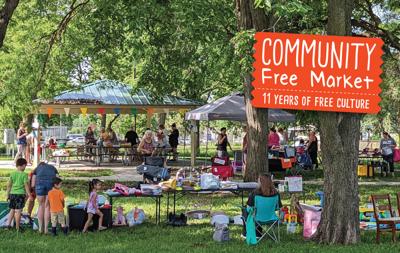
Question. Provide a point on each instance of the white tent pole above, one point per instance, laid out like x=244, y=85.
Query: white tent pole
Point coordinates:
x=208, y=127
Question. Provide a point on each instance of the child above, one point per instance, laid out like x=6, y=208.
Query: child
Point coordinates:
x=93, y=205
x=17, y=190
x=301, y=148
x=57, y=204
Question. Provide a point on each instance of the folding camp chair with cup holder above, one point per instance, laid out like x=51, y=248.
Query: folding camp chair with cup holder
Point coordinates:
x=387, y=223
x=265, y=217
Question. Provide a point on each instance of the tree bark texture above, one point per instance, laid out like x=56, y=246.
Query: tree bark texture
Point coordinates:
x=6, y=13
x=257, y=119
x=339, y=146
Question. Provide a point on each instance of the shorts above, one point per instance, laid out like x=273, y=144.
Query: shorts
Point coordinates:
x=58, y=217
x=17, y=201
x=43, y=188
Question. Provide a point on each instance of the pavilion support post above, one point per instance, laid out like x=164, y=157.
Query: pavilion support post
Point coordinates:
x=161, y=118
x=194, y=137
x=103, y=120
x=36, y=141
x=148, y=120
x=134, y=121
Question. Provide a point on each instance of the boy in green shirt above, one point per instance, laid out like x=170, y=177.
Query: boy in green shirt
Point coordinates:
x=17, y=191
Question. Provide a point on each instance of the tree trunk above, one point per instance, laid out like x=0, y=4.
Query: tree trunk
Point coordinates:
x=103, y=120
x=257, y=119
x=340, y=133
x=6, y=13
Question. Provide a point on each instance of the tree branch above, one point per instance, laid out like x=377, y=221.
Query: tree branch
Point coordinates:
x=57, y=34
x=387, y=36
x=6, y=13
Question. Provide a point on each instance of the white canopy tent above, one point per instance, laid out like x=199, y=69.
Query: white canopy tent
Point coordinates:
x=231, y=107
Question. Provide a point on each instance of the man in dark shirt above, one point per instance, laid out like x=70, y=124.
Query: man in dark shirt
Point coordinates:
x=173, y=140
x=132, y=137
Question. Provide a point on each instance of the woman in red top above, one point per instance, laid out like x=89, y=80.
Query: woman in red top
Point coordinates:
x=273, y=138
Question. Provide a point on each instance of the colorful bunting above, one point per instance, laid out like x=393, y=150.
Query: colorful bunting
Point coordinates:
x=101, y=111
x=66, y=110
x=150, y=111
x=50, y=111
x=84, y=111
x=133, y=111
x=117, y=111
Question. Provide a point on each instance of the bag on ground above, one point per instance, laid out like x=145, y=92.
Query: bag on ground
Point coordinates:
x=221, y=233
x=135, y=217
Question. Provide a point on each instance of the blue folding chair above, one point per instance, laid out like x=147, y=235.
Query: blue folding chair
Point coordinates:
x=265, y=216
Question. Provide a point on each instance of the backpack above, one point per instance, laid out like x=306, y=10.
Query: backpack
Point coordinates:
x=221, y=233
x=177, y=220
x=154, y=161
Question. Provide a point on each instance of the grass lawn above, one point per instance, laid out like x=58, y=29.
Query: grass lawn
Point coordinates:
x=69, y=173
x=197, y=237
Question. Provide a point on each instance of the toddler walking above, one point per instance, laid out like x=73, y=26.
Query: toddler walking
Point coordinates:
x=57, y=204
x=93, y=205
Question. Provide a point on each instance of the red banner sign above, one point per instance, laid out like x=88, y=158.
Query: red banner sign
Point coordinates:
x=316, y=72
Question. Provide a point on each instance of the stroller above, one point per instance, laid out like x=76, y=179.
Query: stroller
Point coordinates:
x=153, y=170
x=303, y=162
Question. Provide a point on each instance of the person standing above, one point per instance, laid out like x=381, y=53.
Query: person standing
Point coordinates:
x=387, y=146
x=132, y=137
x=273, y=138
x=57, y=205
x=21, y=142
x=222, y=144
x=17, y=191
x=312, y=148
x=173, y=141
x=283, y=138
x=42, y=182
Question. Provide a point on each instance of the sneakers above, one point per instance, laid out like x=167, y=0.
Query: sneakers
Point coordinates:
x=54, y=231
x=101, y=228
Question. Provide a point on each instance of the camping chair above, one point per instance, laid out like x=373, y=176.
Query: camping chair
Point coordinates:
x=265, y=216
x=386, y=224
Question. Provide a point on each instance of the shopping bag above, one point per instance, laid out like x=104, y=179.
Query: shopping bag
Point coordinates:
x=396, y=155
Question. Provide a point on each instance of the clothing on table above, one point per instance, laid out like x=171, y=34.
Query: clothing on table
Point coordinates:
x=313, y=151
x=131, y=136
x=45, y=174
x=173, y=138
x=56, y=200
x=58, y=217
x=92, y=207
x=18, y=180
x=273, y=139
x=17, y=201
